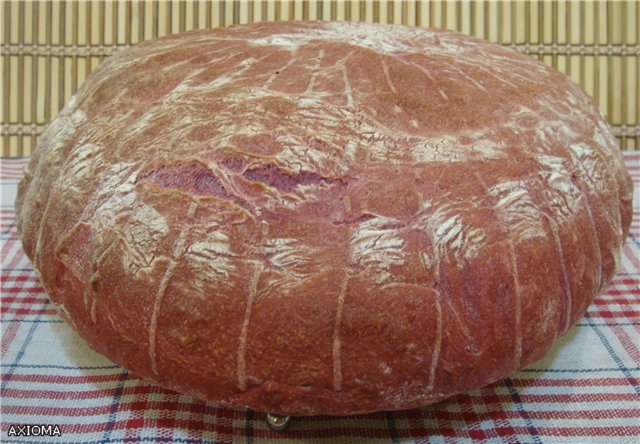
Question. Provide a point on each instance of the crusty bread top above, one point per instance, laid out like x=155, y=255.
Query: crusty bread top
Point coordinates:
x=315, y=217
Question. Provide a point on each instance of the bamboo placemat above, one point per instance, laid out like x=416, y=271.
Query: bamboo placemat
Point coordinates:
x=49, y=47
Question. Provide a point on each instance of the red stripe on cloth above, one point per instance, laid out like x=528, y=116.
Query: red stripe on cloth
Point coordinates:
x=79, y=394
x=11, y=169
x=530, y=398
x=11, y=175
x=634, y=257
x=625, y=280
x=40, y=303
x=623, y=314
x=569, y=382
x=629, y=344
x=27, y=295
x=616, y=300
x=613, y=317
x=198, y=407
x=29, y=311
x=6, y=249
x=617, y=303
x=59, y=379
x=8, y=335
x=15, y=161
x=8, y=276
x=583, y=414
x=10, y=230
x=20, y=290
x=497, y=411
x=590, y=431
x=12, y=246
x=474, y=411
x=632, y=163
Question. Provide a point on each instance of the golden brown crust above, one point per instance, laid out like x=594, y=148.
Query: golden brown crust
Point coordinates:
x=324, y=218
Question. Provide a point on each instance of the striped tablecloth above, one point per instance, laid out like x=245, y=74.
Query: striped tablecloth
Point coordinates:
x=585, y=391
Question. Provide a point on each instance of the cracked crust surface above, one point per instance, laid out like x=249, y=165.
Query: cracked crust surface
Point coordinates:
x=324, y=218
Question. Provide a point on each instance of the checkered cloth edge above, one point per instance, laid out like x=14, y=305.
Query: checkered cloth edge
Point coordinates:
x=586, y=390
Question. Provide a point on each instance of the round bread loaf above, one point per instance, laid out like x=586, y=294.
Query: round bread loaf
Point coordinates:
x=324, y=218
